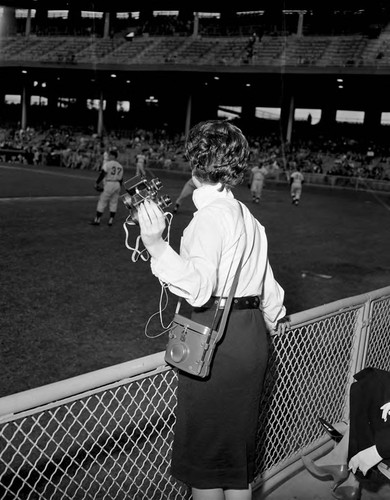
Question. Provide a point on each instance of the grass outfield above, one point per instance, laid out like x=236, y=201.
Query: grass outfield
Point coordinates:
x=73, y=301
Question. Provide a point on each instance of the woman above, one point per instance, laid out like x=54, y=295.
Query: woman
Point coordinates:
x=216, y=417
x=366, y=441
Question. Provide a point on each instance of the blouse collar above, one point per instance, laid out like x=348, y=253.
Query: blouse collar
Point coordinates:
x=207, y=193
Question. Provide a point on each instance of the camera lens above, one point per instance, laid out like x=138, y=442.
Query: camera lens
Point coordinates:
x=156, y=183
x=127, y=200
x=164, y=201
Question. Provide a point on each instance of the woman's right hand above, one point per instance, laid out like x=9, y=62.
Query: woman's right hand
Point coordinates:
x=152, y=224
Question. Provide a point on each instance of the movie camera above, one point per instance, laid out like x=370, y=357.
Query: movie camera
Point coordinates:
x=138, y=189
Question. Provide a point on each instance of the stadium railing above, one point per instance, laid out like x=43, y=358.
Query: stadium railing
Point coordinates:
x=108, y=434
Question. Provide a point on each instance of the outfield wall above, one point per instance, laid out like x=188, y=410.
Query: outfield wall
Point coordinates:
x=323, y=180
x=108, y=434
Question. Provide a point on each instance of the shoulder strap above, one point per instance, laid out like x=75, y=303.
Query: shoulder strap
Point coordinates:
x=229, y=300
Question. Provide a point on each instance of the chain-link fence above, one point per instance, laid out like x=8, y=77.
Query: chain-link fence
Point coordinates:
x=108, y=434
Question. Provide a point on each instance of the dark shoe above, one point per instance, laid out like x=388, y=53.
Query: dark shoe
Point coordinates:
x=347, y=492
x=94, y=223
x=333, y=433
x=339, y=473
x=110, y=222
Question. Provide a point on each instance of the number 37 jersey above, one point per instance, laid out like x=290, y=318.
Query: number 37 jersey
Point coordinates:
x=114, y=171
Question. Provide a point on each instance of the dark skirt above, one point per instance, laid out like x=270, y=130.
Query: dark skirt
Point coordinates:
x=217, y=417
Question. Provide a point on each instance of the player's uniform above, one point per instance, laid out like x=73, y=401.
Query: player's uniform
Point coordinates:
x=112, y=186
x=140, y=160
x=296, y=180
x=258, y=176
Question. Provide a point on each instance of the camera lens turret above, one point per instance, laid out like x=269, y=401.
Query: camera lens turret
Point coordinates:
x=164, y=201
x=156, y=183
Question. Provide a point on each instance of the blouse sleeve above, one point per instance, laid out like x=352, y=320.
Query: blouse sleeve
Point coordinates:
x=193, y=274
x=272, y=299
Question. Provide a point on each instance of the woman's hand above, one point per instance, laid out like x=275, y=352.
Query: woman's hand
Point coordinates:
x=152, y=224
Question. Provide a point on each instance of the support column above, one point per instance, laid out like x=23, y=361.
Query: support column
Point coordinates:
x=290, y=120
x=41, y=20
x=287, y=116
x=74, y=20
x=328, y=116
x=106, y=32
x=188, y=115
x=23, y=121
x=300, y=23
x=28, y=23
x=8, y=22
x=372, y=118
x=100, y=125
x=195, y=30
x=248, y=111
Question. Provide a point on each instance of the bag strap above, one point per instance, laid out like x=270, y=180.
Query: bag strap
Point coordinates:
x=229, y=300
x=228, y=304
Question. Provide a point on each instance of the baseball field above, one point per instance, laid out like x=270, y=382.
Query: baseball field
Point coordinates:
x=73, y=300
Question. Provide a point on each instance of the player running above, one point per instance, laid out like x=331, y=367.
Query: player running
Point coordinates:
x=296, y=181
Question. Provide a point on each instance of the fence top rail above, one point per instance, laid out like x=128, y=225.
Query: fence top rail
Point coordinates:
x=297, y=319
x=32, y=398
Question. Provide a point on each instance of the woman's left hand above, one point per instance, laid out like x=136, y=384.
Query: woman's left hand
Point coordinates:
x=152, y=224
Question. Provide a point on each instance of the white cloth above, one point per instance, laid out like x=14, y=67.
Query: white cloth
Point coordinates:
x=208, y=248
x=365, y=460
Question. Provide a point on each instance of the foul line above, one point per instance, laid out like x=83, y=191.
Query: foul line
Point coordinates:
x=56, y=174
x=48, y=198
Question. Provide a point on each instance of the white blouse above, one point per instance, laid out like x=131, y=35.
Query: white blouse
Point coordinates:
x=210, y=251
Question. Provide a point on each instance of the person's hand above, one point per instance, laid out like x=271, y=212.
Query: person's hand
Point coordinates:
x=152, y=224
x=365, y=460
x=385, y=411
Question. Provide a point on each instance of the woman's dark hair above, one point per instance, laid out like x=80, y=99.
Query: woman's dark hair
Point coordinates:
x=217, y=151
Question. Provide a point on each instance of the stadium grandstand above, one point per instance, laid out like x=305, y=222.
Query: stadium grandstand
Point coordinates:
x=308, y=83
x=76, y=64
x=288, y=70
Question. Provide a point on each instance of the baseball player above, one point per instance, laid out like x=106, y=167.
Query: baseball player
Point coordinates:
x=140, y=162
x=188, y=188
x=112, y=177
x=296, y=181
x=257, y=178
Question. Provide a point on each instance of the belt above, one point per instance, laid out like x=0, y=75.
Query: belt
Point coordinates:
x=252, y=302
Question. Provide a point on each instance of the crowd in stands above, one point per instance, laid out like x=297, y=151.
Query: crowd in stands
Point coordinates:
x=82, y=149
x=74, y=148
x=320, y=21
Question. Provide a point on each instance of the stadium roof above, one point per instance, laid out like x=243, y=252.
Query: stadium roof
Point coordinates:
x=198, y=5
